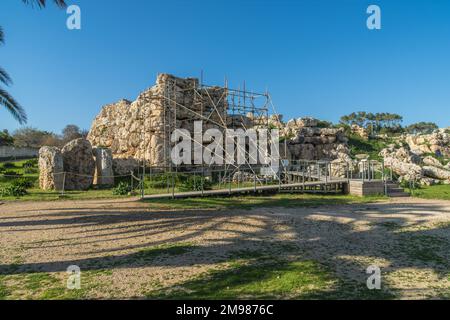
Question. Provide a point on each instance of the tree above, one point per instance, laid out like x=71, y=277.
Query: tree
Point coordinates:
x=71, y=132
x=422, y=127
x=33, y=138
x=6, y=100
x=5, y=138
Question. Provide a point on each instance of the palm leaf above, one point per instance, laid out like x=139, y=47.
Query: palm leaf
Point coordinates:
x=13, y=106
x=2, y=36
x=42, y=3
x=4, y=77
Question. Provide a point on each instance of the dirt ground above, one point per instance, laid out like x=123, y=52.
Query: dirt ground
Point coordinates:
x=407, y=238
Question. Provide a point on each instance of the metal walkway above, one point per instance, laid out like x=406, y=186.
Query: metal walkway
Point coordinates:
x=311, y=187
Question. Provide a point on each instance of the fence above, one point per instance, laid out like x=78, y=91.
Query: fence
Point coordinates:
x=202, y=179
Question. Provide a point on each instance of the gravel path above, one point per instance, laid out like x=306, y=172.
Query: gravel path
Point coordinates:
x=407, y=238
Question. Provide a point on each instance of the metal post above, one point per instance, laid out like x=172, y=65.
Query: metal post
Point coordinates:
x=131, y=182
x=64, y=184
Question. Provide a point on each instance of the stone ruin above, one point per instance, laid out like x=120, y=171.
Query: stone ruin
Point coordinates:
x=77, y=166
x=414, y=157
x=140, y=130
x=51, y=168
x=305, y=140
x=125, y=134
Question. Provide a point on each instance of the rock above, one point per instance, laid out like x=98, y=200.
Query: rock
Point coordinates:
x=431, y=161
x=360, y=131
x=79, y=165
x=362, y=156
x=139, y=130
x=436, y=173
x=104, y=174
x=307, y=122
x=124, y=166
x=402, y=162
x=50, y=168
x=437, y=143
x=342, y=166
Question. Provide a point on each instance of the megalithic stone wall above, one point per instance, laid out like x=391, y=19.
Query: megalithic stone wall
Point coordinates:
x=140, y=130
x=79, y=165
x=104, y=174
x=51, y=168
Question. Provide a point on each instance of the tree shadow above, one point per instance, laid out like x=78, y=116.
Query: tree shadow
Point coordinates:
x=275, y=242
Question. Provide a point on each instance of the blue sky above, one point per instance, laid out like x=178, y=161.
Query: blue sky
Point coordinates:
x=316, y=57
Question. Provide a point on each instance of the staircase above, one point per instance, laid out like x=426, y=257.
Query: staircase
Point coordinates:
x=395, y=191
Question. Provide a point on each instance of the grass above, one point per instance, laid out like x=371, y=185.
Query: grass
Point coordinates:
x=47, y=286
x=251, y=201
x=253, y=275
x=372, y=147
x=283, y=200
x=438, y=192
x=51, y=286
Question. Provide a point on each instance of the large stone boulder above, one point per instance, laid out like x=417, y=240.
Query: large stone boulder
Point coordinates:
x=104, y=174
x=436, y=173
x=79, y=165
x=360, y=131
x=51, y=168
x=431, y=161
x=403, y=162
x=438, y=143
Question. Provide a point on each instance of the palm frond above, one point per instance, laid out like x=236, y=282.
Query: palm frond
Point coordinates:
x=2, y=36
x=4, y=77
x=42, y=3
x=13, y=106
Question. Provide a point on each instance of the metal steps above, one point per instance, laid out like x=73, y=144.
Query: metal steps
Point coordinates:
x=395, y=191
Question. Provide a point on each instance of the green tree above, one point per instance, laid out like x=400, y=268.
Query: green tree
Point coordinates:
x=421, y=127
x=5, y=138
x=32, y=137
x=6, y=100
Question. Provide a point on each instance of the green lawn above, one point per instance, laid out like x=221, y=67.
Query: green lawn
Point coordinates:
x=276, y=272
x=439, y=192
x=252, y=201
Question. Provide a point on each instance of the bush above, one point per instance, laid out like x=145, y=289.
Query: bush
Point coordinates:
x=13, y=191
x=122, y=189
x=23, y=183
x=8, y=165
x=11, y=174
x=32, y=163
x=159, y=181
x=195, y=183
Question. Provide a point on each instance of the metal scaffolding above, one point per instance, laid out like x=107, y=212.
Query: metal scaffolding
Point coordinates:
x=229, y=108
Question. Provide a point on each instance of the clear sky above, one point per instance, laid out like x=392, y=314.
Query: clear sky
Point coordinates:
x=316, y=57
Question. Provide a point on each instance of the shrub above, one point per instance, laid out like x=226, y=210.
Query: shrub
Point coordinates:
x=159, y=181
x=13, y=191
x=8, y=165
x=195, y=183
x=122, y=189
x=23, y=183
x=11, y=174
x=32, y=163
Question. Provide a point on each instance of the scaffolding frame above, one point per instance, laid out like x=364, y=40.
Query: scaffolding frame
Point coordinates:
x=236, y=104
